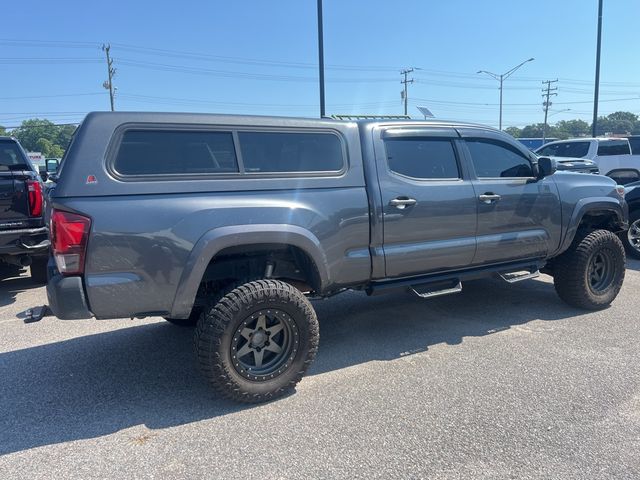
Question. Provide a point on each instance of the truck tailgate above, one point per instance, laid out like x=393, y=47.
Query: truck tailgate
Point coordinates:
x=14, y=200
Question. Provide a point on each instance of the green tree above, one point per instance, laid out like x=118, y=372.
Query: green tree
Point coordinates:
x=513, y=131
x=535, y=131
x=621, y=123
x=3, y=131
x=572, y=129
x=44, y=136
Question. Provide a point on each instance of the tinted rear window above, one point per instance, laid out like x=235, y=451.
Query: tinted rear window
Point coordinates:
x=613, y=147
x=280, y=152
x=569, y=149
x=162, y=152
x=11, y=157
x=635, y=145
x=418, y=158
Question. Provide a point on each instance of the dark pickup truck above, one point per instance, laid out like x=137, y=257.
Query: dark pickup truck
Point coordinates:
x=234, y=222
x=23, y=234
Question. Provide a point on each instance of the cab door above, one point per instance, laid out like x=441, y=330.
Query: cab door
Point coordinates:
x=429, y=205
x=518, y=214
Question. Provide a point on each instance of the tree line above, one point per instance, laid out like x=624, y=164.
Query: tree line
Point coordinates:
x=40, y=135
x=618, y=123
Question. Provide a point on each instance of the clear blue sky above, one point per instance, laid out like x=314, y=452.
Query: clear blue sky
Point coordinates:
x=256, y=56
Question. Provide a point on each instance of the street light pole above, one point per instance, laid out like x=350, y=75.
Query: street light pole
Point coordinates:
x=321, y=58
x=501, y=78
x=597, y=87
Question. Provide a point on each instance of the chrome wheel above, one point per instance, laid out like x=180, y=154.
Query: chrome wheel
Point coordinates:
x=264, y=345
x=633, y=235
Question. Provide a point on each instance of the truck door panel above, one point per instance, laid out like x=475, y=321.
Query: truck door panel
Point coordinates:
x=429, y=208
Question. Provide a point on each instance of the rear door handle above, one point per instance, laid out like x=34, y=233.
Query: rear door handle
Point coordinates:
x=489, y=197
x=402, y=202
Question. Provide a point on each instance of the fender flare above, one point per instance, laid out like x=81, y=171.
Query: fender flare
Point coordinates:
x=217, y=239
x=589, y=205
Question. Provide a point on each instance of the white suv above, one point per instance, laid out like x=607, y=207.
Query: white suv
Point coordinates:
x=613, y=155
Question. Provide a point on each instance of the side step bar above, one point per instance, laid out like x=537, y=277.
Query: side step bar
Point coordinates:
x=436, y=282
x=514, y=277
x=436, y=293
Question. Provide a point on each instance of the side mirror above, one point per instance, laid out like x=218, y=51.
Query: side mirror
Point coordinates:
x=546, y=166
x=52, y=165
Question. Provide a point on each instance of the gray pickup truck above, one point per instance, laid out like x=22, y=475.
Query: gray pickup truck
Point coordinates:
x=231, y=223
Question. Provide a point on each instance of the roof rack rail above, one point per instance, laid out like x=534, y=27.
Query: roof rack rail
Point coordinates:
x=371, y=117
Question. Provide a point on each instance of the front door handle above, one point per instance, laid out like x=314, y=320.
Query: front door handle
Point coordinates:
x=402, y=202
x=489, y=198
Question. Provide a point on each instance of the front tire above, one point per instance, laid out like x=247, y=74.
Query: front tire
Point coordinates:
x=258, y=341
x=590, y=274
x=631, y=238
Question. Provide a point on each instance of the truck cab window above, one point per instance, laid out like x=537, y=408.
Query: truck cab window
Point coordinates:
x=495, y=159
x=422, y=158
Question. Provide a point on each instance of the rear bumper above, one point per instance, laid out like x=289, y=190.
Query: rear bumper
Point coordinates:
x=24, y=241
x=66, y=297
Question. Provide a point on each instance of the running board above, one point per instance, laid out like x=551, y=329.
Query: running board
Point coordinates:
x=514, y=277
x=437, y=293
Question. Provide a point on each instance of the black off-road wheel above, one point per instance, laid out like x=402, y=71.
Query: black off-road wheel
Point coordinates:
x=590, y=274
x=256, y=343
x=39, y=270
x=631, y=238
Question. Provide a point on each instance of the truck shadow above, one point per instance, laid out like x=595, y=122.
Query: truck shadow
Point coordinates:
x=633, y=264
x=95, y=385
x=13, y=281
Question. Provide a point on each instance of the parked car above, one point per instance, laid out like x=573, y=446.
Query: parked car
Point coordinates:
x=23, y=235
x=612, y=155
x=631, y=238
x=233, y=222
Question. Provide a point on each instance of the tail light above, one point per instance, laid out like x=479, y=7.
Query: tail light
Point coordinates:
x=34, y=189
x=69, y=235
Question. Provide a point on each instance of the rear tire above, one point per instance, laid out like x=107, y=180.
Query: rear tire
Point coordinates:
x=631, y=238
x=590, y=274
x=39, y=270
x=258, y=341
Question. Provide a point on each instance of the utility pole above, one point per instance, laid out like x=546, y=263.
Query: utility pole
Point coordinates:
x=108, y=84
x=404, y=93
x=547, y=93
x=501, y=78
x=597, y=89
x=321, y=58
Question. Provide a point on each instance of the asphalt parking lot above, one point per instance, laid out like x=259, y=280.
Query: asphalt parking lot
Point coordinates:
x=500, y=381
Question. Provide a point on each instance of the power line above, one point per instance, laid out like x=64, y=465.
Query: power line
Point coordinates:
x=52, y=96
x=279, y=63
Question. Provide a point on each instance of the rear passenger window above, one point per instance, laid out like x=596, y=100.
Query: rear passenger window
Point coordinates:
x=495, y=159
x=422, y=158
x=281, y=152
x=163, y=152
x=613, y=147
